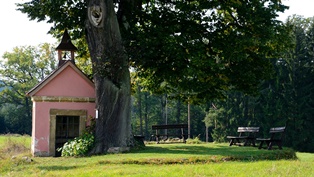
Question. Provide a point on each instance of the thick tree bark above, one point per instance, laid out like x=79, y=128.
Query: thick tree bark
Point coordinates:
x=28, y=121
x=139, y=104
x=163, y=104
x=178, y=115
x=189, y=120
x=146, y=115
x=111, y=77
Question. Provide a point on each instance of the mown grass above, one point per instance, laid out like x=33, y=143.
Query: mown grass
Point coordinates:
x=170, y=160
x=12, y=144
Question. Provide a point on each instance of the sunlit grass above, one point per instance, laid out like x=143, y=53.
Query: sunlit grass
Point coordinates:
x=169, y=160
x=14, y=144
x=23, y=139
x=309, y=157
x=260, y=168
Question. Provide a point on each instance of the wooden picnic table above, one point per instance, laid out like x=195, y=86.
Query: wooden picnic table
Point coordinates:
x=247, y=136
x=276, y=136
x=158, y=135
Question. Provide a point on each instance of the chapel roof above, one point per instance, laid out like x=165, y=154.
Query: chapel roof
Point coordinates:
x=66, y=43
x=53, y=74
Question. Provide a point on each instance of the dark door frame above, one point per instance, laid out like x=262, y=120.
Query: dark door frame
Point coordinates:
x=64, y=112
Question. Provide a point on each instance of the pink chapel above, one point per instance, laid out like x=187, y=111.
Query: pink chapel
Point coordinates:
x=63, y=103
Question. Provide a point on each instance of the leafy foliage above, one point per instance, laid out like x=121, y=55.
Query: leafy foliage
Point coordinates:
x=21, y=70
x=192, y=49
x=79, y=146
x=284, y=100
x=190, y=54
x=195, y=140
x=295, y=82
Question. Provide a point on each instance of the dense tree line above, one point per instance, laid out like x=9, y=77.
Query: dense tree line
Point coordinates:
x=284, y=100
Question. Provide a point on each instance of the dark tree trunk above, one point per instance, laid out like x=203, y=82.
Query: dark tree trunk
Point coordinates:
x=246, y=108
x=140, y=108
x=111, y=77
x=163, y=104
x=146, y=114
x=178, y=115
x=189, y=120
x=28, y=121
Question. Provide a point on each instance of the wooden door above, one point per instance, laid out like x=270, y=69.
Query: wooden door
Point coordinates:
x=67, y=128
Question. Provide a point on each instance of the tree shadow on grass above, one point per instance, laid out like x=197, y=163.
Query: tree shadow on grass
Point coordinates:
x=198, y=154
x=58, y=168
x=235, y=152
x=196, y=150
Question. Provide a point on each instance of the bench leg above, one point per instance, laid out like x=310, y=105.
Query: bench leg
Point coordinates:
x=279, y=145
x=238, y=142
x=232, y=142
x=261, y=144
x=157, y=139
x=182, y=135
x=246, y=142
x=249, y=142
x=235, y=141
x=253, y=142
x=270, y=145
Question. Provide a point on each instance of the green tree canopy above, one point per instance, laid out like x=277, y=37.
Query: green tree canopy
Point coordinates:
x=21, y=70
x=195, y=49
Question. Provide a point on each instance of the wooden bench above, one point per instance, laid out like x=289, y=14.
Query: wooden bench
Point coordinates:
x=169, y=126
x=246, y=134
x=276, y=136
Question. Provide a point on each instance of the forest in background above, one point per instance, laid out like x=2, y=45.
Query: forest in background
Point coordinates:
x=284, y=100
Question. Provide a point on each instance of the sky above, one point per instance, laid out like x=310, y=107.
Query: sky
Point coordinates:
x=17, y=30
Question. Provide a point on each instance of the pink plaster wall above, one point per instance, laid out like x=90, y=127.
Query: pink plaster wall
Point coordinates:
x=67, y=83
x=41, y=123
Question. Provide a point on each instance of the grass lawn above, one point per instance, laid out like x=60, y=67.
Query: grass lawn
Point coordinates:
x=167, y=160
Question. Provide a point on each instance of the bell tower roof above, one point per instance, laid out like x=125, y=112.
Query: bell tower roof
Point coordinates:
x=64, y=47
x=66, y=43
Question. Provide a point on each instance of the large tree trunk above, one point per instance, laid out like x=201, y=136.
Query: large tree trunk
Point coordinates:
x=189, y=120
x=146, y=115
x=111, y=77
x=178, y=115
x=139, y=104
x=28, y=120
x=163, y=104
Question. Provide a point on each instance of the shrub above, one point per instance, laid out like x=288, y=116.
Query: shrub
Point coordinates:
x=195, y=140
x=79, y=146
